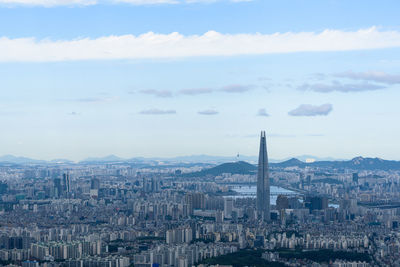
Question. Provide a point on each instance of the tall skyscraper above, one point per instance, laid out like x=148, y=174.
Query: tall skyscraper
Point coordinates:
x=57, y=187
x=66, y=183
x=263, y=205
x=95, y=183
x=228, y=207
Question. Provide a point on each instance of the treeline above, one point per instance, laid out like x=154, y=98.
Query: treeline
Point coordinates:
x=324, y=255
x=241, y=258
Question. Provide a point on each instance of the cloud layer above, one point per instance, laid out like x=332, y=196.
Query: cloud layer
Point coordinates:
x=375, y=76
x=311, y=110
x=52, y=3
x=196, y=91
x=208, y=112
x=339, y=87
x=160, y=2
x=48, y=3
x=234, y=88
x=156, y=111
x=160, y=46
x=74, y=113
x=158, y=93
x=262, y=112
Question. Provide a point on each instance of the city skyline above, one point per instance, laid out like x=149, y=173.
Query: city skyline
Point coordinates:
x=146, y=78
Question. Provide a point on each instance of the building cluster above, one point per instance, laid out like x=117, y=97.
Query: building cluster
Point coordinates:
x=182, y=255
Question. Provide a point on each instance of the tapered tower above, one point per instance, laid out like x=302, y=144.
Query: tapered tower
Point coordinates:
x=263, y=202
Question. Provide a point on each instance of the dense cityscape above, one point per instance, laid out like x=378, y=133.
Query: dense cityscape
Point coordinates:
x=207, y=133
x=127, y=213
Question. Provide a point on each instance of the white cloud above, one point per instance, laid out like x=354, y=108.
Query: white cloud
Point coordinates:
x=158, y=93
x=93, y=99
x=196, y=91
x=339, y=87
x=74, y=113
x=148, y=2
x=158, y=2
x=208, y=112
x=212, y=1
x=49, y=3
x=376, y=76
x=311, y=110
x=233, y=88
x=156, y=111
x=262, y=112
x=236, y=88
x=52, y=3
x=174, y=45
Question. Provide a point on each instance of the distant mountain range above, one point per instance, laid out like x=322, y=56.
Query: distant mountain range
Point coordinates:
x=183, y=159
x=180, y=159
x=202, y=159
x=307, y=158
x=24, y=160
x=358, y=163
x=20, y=160
x=113, y=159
x=235, y=166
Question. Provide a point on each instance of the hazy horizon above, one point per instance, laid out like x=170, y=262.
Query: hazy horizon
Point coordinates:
x=302, y=157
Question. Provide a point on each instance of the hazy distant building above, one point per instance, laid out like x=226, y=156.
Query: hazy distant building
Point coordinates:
x=57, y=187
x=294, y=203
x=219, y=216
x=94, y=187
x=228, y=207
x=263, y=195
x=197, y=200
x=3, y=188
x=189, y=203
x=282, y=202
x=66, y=183
x=316, y=203
x=308, y=179
x=30, y=264
x=151, y=185
x=355, y=177
x=95, y=183
x=62, y=186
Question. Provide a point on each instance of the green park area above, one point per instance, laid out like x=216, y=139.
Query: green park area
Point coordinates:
x=249, y=257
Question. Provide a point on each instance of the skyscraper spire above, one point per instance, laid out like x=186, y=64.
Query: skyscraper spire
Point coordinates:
x=263, y=201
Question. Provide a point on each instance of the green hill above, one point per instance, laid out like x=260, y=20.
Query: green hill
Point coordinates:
x=240, y=167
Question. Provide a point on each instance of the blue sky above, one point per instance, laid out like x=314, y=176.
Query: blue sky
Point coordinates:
x=83, y=78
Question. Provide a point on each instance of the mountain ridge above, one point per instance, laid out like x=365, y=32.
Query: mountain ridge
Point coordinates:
x=356, y=163
x=196, y=158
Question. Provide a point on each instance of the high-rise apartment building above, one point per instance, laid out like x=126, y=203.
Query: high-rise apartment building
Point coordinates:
x=66, y=183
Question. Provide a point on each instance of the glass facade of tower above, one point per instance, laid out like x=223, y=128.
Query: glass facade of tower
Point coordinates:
x=263, y=193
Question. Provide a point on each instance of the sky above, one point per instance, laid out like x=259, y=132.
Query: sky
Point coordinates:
x=165, y=78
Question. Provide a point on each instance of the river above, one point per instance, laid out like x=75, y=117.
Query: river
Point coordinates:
x=251, y=192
